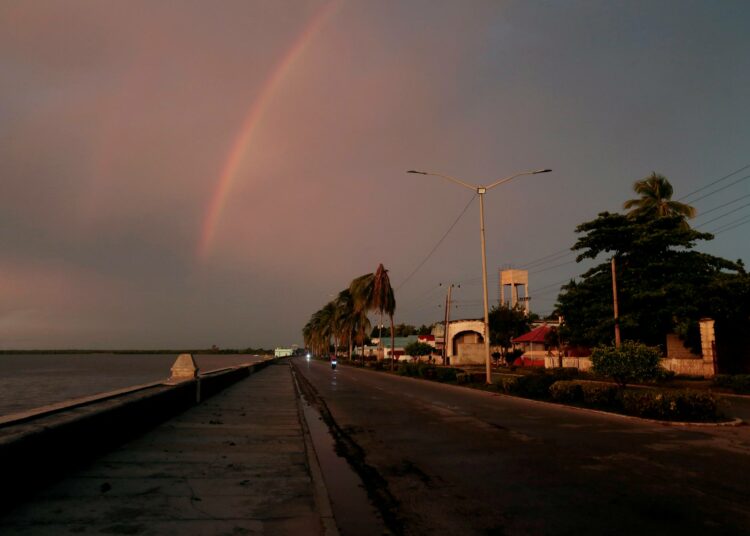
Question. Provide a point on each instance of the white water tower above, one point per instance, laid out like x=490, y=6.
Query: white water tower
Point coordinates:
x=515, y=279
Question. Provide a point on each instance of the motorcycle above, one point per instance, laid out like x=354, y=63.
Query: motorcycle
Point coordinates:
x=333, y=363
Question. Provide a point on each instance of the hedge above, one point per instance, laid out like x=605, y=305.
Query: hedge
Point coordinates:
x=739, y=383
x=682, y=405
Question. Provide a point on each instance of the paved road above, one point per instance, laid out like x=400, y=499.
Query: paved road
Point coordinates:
x=459, y=461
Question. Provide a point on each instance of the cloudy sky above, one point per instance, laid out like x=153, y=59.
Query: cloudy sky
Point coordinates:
x=189, y=173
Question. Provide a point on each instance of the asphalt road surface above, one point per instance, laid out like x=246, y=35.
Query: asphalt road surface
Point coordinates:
x=442, y=459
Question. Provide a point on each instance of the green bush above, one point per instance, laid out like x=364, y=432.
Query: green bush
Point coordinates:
x=507, y=384
x=739, y=383
x=631, y=362
x=534, y=385
x=564, y=373
x=665, y=375
x=408, y=369
x=446, y=374
x=683, y=405
x=470, y=377
x=566, y=391
x=600, y=396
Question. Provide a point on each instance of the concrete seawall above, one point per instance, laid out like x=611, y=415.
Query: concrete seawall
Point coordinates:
x=39, y=447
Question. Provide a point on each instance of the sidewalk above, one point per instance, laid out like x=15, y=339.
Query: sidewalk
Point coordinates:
x=236, y=464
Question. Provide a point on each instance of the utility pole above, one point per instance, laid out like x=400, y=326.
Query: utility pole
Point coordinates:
x=480, y=191
x=614, y=300
x=447, y=320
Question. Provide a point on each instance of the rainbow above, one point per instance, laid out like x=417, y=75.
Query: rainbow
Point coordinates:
x=253, y=118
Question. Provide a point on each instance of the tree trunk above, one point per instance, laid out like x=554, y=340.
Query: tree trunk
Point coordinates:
x=393, y=344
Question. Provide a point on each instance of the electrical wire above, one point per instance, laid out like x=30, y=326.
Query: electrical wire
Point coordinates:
x=709, y=194
x=551, y=267
x=743, y=168
x=722, y=216
x=733, y=201
x=438, y=244
x=731, y=225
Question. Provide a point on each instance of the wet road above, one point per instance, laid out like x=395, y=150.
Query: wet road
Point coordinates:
x=460, y=461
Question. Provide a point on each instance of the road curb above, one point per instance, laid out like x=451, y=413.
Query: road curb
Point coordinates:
x=733, y=422
x=320, y=490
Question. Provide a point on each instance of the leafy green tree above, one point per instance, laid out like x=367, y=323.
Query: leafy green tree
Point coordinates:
x=418, y=349
x=631, y=362
x=424, y=330
x=401, y=330
x=663, y=284
x=507, y=323
x=656, y=270
x=655, y=200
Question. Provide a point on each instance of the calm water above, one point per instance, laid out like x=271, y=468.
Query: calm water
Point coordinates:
x=30, y=381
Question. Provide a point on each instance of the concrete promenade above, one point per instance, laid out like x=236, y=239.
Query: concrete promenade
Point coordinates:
x=236, y=464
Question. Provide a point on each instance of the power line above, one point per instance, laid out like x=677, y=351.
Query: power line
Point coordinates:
x=551, y=285
x=723, y=215
x=549, y=260
x=438, y=243
x=709, y=194
x=532, y=262
x=712, y=183
x=551, y=267
x=721, y=206
x=731, y=225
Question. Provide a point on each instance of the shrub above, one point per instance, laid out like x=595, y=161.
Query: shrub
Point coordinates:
x=534, y=385
x=446, y=374
x=683, y=405
x=463, y=377
x=633, y=361
x=722, y=380
x=470, y=377
x=600, y=396
x=507, y=384
x=666, y=375
x=739, y=383
x=566, y=391
x=408, y=369
x=564, y=373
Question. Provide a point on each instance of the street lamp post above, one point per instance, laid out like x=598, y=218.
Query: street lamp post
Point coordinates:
x=481, y=190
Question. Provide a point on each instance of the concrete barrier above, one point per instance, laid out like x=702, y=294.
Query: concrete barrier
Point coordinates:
x=36, y=449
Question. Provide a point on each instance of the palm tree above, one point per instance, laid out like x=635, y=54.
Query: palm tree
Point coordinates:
x=656, y=200
x=361, y=327
x=345, y=318
x=373, y=292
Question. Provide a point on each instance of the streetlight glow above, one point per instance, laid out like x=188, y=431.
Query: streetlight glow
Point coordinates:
x=481, y=190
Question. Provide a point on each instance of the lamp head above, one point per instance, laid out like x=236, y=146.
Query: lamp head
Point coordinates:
x=542, y=171
x=417, y=172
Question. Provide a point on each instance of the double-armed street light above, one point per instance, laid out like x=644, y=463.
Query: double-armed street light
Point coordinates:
x=481, y=190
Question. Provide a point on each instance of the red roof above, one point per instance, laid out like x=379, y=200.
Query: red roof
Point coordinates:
x=535, y=335
x=426, y=338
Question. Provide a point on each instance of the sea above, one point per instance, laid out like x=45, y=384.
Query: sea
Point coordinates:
x=29, y=381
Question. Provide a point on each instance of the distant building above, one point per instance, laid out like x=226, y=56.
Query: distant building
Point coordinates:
x=535, y=346
x=283, y=352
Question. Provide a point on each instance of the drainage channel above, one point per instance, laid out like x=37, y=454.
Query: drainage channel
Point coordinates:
x=354, y=513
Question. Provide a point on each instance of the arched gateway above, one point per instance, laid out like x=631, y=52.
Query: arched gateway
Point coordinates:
x=465, y=342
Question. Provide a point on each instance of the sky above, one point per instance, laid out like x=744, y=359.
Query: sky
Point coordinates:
x=184, y=174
